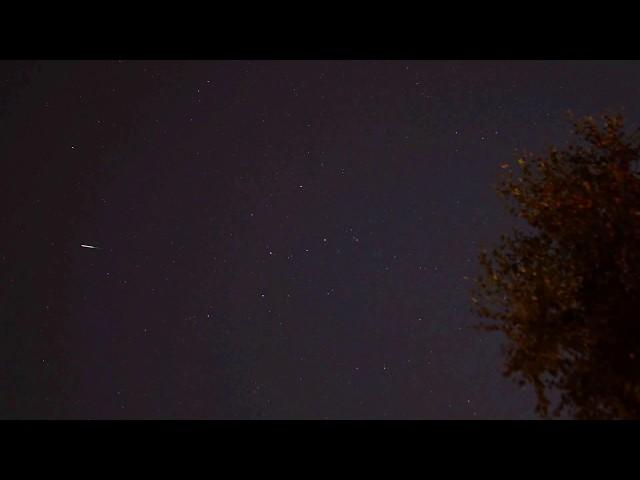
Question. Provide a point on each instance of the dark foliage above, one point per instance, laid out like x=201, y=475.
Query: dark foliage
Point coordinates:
x=566, y=292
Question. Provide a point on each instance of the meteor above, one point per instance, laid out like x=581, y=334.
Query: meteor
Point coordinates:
x=91, y=246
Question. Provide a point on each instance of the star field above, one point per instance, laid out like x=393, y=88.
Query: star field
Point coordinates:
x=278, y=239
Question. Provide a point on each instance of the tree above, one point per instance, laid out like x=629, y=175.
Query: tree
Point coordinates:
x=565, y=290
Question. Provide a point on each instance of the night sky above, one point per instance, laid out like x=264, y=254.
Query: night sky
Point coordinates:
x=278, y=239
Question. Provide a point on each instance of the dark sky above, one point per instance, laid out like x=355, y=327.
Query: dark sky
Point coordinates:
x=279, y=239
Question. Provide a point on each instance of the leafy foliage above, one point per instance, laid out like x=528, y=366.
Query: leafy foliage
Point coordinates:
x=567, y=293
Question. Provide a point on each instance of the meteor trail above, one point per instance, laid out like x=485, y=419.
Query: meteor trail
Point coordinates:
x=90, y=246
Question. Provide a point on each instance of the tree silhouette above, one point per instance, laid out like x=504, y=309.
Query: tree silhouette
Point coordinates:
x=565, y=290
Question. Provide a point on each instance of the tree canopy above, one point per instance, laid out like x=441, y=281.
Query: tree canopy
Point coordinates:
x=566, y=290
